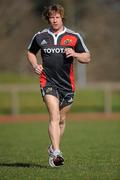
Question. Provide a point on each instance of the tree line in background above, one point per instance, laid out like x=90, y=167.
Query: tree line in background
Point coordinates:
x=96, y=20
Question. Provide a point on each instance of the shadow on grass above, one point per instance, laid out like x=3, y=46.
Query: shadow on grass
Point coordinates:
x=23, y=165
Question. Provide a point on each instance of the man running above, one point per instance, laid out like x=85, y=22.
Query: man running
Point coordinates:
x=59, y=46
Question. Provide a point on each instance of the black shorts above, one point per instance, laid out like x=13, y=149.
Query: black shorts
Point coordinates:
x=65, y=98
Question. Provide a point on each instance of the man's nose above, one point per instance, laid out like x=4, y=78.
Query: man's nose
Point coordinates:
x=55, y=19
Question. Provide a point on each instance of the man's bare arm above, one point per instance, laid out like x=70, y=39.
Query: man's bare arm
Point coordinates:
x=81, y=57
x=33, y=61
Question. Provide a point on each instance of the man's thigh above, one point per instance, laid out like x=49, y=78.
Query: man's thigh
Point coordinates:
x=65, y=110
x=52, y=103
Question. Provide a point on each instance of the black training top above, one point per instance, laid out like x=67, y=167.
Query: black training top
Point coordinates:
x=57, y=69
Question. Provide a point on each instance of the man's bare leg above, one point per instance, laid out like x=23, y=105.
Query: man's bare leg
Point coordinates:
x=63, y=113
x=52, y=104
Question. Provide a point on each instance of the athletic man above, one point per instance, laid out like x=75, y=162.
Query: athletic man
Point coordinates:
x=59, y=46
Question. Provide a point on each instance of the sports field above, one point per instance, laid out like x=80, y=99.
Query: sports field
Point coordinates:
x=91, y=150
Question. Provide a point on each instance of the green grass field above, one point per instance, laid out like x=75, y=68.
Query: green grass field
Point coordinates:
x=91, y=150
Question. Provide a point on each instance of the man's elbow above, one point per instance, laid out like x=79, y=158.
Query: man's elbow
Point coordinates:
x=88, y=58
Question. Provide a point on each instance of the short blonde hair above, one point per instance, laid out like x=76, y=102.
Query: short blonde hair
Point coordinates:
x=56, y=8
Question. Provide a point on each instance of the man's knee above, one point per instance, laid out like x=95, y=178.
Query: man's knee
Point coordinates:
x=55, y=117
x=62, y=119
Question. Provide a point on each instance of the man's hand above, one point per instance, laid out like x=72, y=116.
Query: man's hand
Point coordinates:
x=38, y=68
x=81, y=57
x=69, y=52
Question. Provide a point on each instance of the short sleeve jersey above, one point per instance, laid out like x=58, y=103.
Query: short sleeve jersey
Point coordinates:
x=57, y=68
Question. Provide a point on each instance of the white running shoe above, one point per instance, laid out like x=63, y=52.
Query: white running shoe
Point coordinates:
x=55, y=159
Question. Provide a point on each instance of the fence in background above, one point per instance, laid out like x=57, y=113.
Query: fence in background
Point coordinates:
x=15, y=89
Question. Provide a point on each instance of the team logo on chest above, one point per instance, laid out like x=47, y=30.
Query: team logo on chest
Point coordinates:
x=68, y=40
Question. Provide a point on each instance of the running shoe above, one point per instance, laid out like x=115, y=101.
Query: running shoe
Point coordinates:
x=55, y=160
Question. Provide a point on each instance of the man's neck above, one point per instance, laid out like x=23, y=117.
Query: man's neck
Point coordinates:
x=54, y=31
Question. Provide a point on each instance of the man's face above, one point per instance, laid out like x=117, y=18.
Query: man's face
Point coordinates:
x=55, y=21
